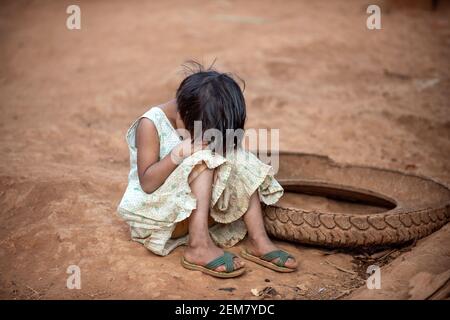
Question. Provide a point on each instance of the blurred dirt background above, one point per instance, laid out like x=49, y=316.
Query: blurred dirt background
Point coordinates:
x=312, y=69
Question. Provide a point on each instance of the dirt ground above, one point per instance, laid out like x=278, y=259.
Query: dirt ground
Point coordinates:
x=312, y=69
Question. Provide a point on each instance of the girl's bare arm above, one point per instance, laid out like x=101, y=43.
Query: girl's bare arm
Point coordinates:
x=152, y=173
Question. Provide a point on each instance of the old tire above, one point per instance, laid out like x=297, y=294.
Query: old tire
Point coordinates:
x=409, y=216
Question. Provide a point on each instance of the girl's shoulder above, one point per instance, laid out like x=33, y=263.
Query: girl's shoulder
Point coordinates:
x=154, y=113
x=158, y=117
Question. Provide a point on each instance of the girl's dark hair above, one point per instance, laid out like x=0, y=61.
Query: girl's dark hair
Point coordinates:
x=215, y=99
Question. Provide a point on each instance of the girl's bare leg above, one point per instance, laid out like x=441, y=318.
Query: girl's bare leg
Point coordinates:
x=201, y=248
x=258, y=240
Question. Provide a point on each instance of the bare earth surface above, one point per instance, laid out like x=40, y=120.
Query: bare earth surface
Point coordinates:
x=312, y=69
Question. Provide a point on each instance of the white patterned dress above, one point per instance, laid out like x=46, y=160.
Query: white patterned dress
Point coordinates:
x=153, y=217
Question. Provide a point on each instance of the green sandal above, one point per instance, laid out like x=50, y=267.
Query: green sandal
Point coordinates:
x=225, y=259
x=266, y=260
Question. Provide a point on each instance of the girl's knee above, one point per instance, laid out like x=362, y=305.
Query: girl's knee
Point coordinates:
x=202, y=171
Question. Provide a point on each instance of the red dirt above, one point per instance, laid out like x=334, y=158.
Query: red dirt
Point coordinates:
x=312, y=69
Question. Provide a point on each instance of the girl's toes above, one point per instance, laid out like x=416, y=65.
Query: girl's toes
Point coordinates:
x=221, y=269
x=291, y=263
x=238, y=263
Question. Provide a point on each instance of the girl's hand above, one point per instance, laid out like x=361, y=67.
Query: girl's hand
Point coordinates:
x=185, y=149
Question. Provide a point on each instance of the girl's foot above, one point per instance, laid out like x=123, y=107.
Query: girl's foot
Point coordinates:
x=263, y=245
x=205, y=253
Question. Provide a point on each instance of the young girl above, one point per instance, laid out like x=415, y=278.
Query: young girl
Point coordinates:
x=178, y=194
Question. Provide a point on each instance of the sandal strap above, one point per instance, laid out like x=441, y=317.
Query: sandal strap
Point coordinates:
x=281, y=255
x=225, y=259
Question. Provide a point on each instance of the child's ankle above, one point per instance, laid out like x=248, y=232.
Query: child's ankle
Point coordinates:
x=258, y=238
x=200, y=243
